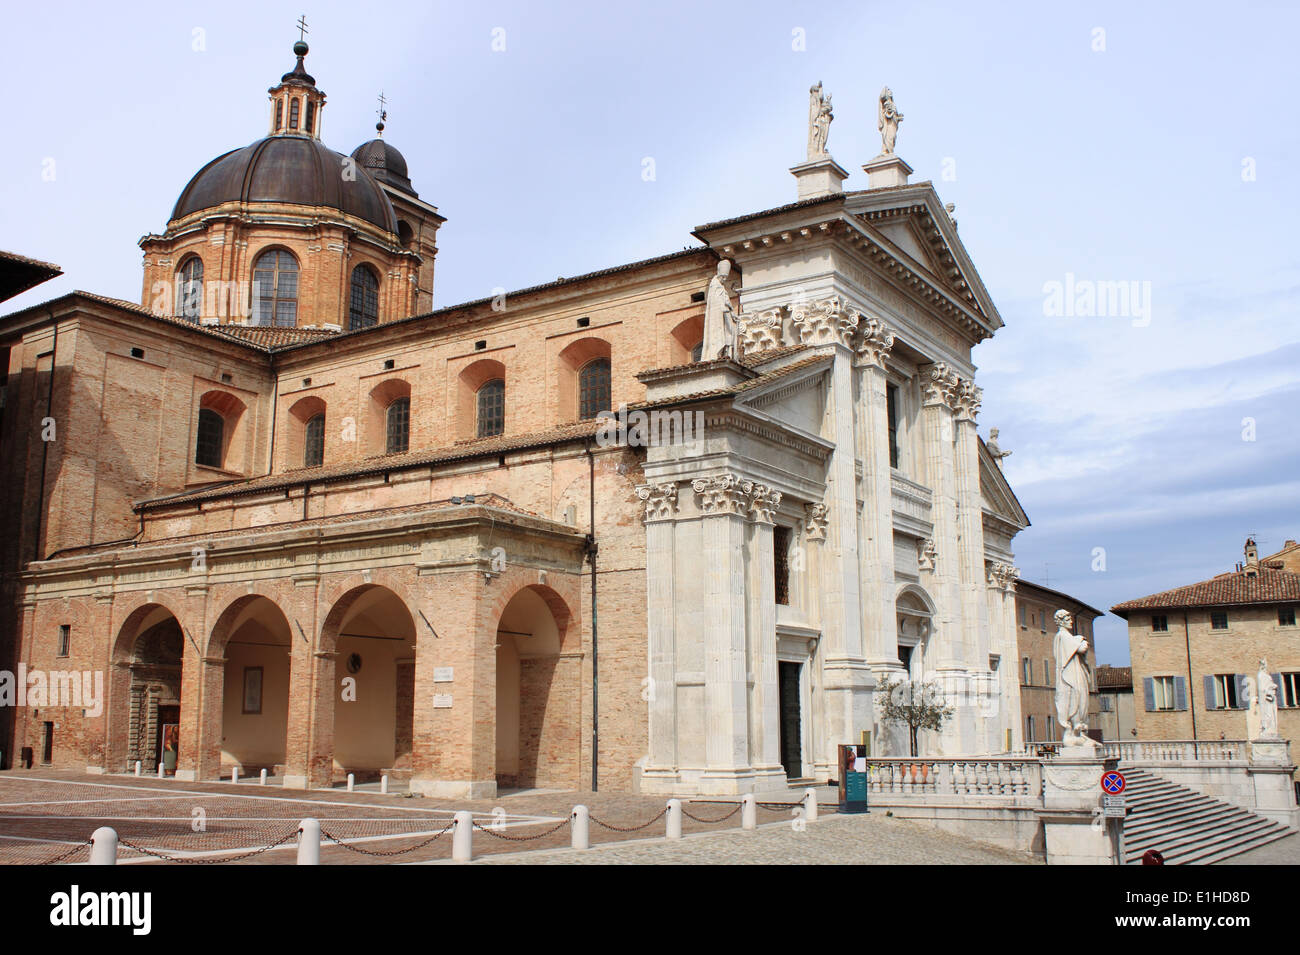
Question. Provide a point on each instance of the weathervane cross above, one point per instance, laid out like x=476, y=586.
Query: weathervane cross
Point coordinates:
x=302, y=27
x=383, y=113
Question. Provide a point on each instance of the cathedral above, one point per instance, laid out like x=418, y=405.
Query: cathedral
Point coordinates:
x=664, y=528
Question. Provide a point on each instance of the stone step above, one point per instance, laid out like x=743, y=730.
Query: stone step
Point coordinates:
x=1188, y=826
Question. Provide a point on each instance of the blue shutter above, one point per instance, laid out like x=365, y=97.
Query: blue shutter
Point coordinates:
x=1180, y=693
x=1209, y=692
x=1243, y=687
x=1149, y=691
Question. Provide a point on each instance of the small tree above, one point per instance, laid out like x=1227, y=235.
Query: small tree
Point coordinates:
x=917, y=706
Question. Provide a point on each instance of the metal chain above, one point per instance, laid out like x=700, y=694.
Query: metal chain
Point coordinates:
x=387, y=852
x=71, y=852
x=644, y=825
x=540, y=835
x=780, y=806
x=711, y=821
x=216, y=861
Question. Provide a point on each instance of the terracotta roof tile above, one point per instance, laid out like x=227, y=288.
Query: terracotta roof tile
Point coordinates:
x=1109, y=677
x=1225, y=590
x=380, y=464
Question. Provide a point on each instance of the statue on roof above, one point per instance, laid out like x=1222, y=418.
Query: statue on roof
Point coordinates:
x=995, y=450
x=819, y=121
x=721, y=330
x=889, y=118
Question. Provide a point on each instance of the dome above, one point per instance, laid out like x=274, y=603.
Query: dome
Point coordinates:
x=385, y=163
x=290, y=169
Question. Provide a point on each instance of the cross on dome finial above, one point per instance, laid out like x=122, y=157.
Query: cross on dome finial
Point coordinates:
x=383, y=113
x=302, y=27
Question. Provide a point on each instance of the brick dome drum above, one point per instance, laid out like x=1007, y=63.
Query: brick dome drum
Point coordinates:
x=287, y=169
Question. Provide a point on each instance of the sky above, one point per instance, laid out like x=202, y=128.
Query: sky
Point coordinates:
x=1154, y=145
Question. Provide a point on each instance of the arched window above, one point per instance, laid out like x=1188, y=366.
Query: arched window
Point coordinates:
x=279, y=114
x=593, y=388
x=275, y=289
x=293, y=113
x=697, y=351
x=311, y=114
x=189, y=289
x=492, y=408
x=398, y=426
x=208, y=447
x=363, y=309
x=313, y=455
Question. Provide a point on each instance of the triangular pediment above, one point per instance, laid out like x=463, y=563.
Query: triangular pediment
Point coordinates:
x=913, y=225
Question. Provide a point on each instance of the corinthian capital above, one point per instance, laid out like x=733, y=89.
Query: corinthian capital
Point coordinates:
x=874, y=341
x=967, y=400
x=1002, y=576
x=824, y=321
x=940, y=384
x=816, y=520
x=723, y=494
x=761, y=332
x=660, y=501
x=763, y=503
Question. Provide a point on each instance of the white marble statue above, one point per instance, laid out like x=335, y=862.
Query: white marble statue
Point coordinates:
x=995, y=450
x=720, y=326
x=889, y=118
x=819, y=121
x=1073, y=681
x=1267, y=694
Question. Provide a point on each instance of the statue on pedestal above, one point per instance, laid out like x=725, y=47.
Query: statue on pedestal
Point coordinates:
x=819, y=121
x=721, y=330
x=889, y=118
x=1073, y=682
x=1266, y=691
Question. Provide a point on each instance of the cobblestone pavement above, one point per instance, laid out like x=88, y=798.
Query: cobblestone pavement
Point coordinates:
x=872, y=839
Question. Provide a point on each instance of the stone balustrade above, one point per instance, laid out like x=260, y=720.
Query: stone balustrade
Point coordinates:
x=1177, y=750
x=960, y=777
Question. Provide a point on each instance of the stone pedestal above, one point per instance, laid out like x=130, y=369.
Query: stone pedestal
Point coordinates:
x=886, y=171
x=1270, y=772
x=1074, y=830
x=819, y=177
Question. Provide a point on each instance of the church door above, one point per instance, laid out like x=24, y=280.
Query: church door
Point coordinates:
x=791, y=724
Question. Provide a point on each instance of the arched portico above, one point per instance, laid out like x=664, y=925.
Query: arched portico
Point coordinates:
x=145, y=692
x=538, y=689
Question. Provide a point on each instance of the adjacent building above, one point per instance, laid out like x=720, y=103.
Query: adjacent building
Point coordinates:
x=1196, y=650
x=1035, y=662
x=1117, y=720
x=296, y=519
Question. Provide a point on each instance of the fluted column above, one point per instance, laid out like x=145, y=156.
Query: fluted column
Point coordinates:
x=876, y=521
x=723, y=505
x=946, y=640
x=824, y=753
x=765, y=708
x=661, y=638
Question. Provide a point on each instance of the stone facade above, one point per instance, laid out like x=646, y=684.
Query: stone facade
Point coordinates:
x=1118, y=718
x=709, y=586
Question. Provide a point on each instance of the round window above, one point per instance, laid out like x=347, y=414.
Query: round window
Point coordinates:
x=354, y=663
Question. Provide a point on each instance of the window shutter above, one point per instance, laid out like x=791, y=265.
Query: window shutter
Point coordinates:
x=1149, y=691
x=1281, y=689
x=1242, y=691
x=1209, y=692
x=1180, y=693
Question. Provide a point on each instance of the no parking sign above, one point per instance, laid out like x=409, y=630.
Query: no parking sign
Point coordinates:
x=1112, y=783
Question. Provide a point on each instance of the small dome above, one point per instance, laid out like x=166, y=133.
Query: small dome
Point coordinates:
x=291, y=169
x=382, y=160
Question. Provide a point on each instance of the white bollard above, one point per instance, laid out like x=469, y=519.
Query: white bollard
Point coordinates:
x=462, y=837
x=137, y=767
x=103, y=847
x=234, y=775
x=748, y=812
x=383, y=784
x=309, y=842
x=581, y=826
x=161, y=771
x=352, y=781
x=262, y=780
x=810, y=805
x=674, y=819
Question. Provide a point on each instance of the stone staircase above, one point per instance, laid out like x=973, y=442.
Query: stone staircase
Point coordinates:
x=1188, y=827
